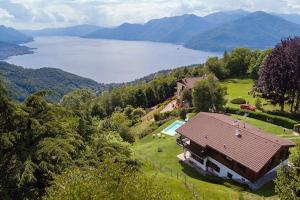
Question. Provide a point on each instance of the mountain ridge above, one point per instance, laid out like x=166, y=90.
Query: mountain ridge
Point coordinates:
x=77, y=30
x=258, y=30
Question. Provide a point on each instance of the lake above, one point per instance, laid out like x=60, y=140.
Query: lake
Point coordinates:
x=107, y=61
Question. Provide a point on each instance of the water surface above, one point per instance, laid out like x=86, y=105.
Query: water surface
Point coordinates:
x=107, y=61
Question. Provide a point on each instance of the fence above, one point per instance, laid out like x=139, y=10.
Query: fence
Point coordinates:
x=173, y=173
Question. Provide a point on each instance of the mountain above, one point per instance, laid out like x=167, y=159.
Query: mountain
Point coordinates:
x=23, y=82
x=79, y=30
x=295, y=18
x=218, y=18
x=174, y=29
x=169, y=29
x=10, y=35
x=7, y=50
x=257, y=30
x=125, y=31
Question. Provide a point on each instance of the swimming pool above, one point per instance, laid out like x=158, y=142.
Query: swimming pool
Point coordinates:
x=170, y=130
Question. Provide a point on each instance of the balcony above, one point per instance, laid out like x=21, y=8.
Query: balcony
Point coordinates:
x=186, y=144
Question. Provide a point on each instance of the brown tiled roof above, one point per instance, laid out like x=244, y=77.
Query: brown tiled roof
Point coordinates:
x=190, y=82
x=253, y=149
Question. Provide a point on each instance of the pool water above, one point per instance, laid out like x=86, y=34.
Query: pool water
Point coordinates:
x=171, y=130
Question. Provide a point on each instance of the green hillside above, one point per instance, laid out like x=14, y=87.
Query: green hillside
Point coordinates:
x=23, y=82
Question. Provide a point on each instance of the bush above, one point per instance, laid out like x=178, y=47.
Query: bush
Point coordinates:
x=280, y=121
x=294, y=116
x=182, y=114
x=238, y=101
x=258, y=104
x=159, y=149
x=165, y=115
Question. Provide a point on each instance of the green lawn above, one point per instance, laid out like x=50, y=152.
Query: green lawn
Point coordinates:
x=146, y=149
x=269, y=127
x=240, y=88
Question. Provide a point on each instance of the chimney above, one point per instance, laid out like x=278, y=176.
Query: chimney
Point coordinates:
x=238, y=133
x=236, y=123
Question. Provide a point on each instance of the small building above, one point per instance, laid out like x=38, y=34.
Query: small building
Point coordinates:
x=220, y=145
x=186, y=84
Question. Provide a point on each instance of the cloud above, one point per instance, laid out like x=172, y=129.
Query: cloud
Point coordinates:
x=5, y=15
x=55, y=13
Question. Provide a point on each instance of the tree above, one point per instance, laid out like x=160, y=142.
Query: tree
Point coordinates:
x=279, y=76
x=217, y=67
x=256, y=62
x=150, y=96
x=34, y=145
x=287, y=183
x=187, y=95
x=78, y=99
x=208, y=94
x=110, y=181
x=182, y=114
x=237, y=62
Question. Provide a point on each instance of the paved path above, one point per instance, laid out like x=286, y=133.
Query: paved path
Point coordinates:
x=171, y=106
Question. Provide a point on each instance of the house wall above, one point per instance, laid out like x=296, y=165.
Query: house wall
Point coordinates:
x=223, y=169
x=281, y=155
x=230, y=166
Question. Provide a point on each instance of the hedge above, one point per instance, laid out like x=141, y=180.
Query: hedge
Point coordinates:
x=294, y=116
x=277, y=120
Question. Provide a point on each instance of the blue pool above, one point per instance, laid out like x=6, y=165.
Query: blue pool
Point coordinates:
x=170, y=130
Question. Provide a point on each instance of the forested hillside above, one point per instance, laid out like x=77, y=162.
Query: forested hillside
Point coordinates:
x=24, y=82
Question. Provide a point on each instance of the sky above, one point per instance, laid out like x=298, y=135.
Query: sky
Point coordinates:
x=36, y=14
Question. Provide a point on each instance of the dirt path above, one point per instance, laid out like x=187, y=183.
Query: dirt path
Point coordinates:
x=171, y=106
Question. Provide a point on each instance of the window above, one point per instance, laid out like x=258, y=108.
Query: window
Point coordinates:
x=200, y=160
x=213, y=166
x=229, y=175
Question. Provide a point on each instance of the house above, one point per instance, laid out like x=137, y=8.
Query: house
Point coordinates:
x=217, y=144
x=186, y=84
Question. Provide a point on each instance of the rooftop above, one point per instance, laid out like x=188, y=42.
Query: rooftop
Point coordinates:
x=240, y=141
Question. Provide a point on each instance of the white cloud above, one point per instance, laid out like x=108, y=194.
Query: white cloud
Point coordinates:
x=5, y=15
x=49, y=13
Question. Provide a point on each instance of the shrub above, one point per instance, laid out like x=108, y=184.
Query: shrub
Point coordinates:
x=294, y=116
x=278, y=120
x=258, y=104
x=238, y=101
x=182, y=114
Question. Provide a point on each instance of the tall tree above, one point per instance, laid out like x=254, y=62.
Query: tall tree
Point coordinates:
x=278, y=79
x=237, y=62
x=208, y=94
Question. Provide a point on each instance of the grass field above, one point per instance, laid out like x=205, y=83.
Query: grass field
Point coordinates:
x=240, y=88
x=147, y=149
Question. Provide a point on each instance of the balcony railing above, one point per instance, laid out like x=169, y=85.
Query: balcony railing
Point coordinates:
x=185, y=143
